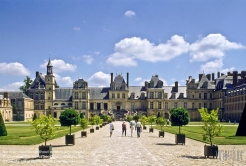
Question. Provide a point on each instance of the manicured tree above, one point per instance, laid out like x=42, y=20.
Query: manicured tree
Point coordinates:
x=98, y=120
x=152, y=119
x=45, y=127
x=161, y=121
x=129, y=118
x=179, y=117
x=92, y=121
x=136, y=117
x=81, y=115
x=143, y=120
x=3, y=131
x=241, y=130
x=34, y=117
x=69, y=117
x=212, y=126
x=158, y=116
x=104, y=117
x=83, y=123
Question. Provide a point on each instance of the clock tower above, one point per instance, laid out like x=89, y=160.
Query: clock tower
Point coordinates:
x=49, y=89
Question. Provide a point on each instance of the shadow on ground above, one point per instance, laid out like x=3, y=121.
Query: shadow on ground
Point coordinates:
x=166, y=144
x=194, y=157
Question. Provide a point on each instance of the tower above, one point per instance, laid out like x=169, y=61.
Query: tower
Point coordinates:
x=49, y=88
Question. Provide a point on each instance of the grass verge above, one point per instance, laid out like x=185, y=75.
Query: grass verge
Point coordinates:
x=227, y=137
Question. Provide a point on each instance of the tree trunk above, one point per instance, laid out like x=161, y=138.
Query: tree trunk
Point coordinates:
x=179, y=129
x=70, y=130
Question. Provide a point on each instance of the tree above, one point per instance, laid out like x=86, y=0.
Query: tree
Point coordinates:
x=83, y=123
x=143, y=120
x=45, y=127
x=151, y=120
x=161, y=121
x=3, y=130
x=242, y=124
x=26, y=86
x=34, y=117
x=136, y=117
x=179, y=117
x=104, y=117
x=69, y=117
x=81, y=115
x=92, y=121
x=212, y=126
x=98, y=120
x=129, y=118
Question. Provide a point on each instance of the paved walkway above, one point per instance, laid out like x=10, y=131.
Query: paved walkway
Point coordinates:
x=100, y=149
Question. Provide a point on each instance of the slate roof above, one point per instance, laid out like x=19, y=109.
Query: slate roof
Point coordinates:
x=39, y=79
x=169, y=91
x=204, y=83
x=155, y=79
x=137, y=90
x=63, y=93
x=118, y=80
x=99, y=93
x=14, y=95
x=224, y=82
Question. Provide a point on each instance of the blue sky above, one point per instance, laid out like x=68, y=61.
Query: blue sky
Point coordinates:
x=90, y=39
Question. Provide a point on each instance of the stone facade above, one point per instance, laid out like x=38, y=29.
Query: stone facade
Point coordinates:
x=120, y=99
x=5, y=107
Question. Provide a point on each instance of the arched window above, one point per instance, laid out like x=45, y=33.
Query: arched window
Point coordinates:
x=62, y=103
x=56, y=104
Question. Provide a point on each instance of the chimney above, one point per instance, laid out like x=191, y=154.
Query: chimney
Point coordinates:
x=146, y=85
x=111, y=77
x=222, y=74
x=37, y=73
x=243, y=74
x=6, y=95
x=212, y=76
x=218, y=74
x=200, y=77
x=209, y=77
x=235, y=78
x=127, y=79
x=176, y=86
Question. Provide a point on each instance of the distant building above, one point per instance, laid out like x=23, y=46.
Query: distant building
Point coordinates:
x=5, y=107
x=121, y=100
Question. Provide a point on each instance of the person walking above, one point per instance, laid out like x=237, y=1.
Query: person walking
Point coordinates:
x=138, y=127
x=132, y=126
x=111, y=128
x=123, y=128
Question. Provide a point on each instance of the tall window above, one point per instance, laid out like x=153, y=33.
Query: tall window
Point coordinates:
x=118, y=95
x=175, y=105
x=132, y=106
x=113, y=95
x=205, y=105
x=200, y=96
x=151, y=105
x=193, y=105
x=76, y=105
x=166, y=105
x=123, y=95
x=159, y=95
x=159, y=105
x=151, y=95
x=200, y=105
x=205, y=95
x=42, y=106
x=211, y=96
x=76, y=95
x=36, y=106
x=83, y=105
x=83, y=95
x=185, y=105
x=36, y=96
x=41, y=96
x=210, y=105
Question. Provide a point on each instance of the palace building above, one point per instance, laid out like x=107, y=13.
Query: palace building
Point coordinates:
x=226, y=92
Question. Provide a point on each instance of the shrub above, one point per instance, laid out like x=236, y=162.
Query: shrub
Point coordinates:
x=83, y=123
x=151, y=120
x=136, y=117
x=3, y=130
x=161, y=121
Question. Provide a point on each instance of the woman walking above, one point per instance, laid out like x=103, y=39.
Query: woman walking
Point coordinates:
x=111, y=128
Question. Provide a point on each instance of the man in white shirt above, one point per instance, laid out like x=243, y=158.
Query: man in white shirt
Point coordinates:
x=132, y=126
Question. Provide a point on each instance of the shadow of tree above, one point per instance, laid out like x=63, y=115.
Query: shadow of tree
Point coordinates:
x=194, y=157
x=57, y=146
x=166, y=144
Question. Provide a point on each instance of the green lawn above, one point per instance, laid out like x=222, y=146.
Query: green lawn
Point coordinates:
x=25, y=135
x=227, y=137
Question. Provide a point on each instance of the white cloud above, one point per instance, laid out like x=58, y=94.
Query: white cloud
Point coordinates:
x=138, y=79
x=12, y=87
x=129, y=13
x=63, y=81
x=96, y=52
x=87, y=58
x=13, y=68
x=212, y=66
x=212, y=46
x=99, y=79
x=76, y=28
x=227, y=70
x=59, y=66
x=128, y=50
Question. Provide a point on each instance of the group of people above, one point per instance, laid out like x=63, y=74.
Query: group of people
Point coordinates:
x=134, y=125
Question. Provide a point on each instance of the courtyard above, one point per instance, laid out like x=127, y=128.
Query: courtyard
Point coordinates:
x=100, y=149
